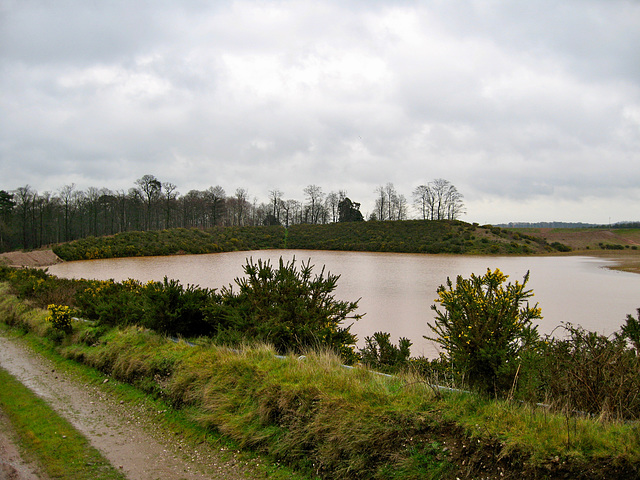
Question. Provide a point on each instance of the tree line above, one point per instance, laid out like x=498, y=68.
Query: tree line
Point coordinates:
x=29, y=219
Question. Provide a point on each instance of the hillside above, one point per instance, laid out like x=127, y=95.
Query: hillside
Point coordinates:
x=587, y=238
x=411, y=236
x=619, y=244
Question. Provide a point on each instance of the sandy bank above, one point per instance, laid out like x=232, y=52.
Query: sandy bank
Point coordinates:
x=37, y=258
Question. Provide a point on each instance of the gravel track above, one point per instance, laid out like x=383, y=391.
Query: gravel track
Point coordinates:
x=125, y=434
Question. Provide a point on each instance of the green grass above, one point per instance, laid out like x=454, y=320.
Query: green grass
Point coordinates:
x=333, y=422
x=58, y=447
x=31, y=330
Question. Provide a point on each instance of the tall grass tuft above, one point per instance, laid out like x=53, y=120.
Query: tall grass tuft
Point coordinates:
x=335, y=422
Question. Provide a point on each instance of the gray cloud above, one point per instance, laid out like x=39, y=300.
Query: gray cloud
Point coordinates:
x=531, y=110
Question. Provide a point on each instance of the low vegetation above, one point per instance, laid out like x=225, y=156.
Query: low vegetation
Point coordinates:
x=410, y=236
x=173, y=241
x=306, y=409
x=592, y=239
x=485, y=327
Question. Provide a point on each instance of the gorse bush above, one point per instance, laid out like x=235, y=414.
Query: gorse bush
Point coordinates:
x=173, y=241
x=381, y=354
x=166, y=307
x=587, y=372
x=417, y=236
x=39, y=287
x=290, y=308
x=60, y=317
x=631, y=330
x=172, y=309
x=484, y=326
x=112, y=303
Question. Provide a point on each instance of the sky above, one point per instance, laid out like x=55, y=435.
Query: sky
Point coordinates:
x=531, y=109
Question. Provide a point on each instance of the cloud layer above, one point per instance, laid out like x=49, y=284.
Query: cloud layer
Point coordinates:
x=531, y=110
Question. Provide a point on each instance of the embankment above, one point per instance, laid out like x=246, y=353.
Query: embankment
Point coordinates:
x=333, y=422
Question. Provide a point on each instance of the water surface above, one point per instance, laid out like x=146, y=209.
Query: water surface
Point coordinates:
x=397, y=290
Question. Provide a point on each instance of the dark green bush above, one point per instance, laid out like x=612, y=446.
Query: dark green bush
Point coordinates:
x=561, y=247
x=611, y=246
x=39, y=287
x=173, y=241
x=112, y=303
x=631, y=331
x=174, y=310
x=586, y=372
x=289, y=308
x=379, y=353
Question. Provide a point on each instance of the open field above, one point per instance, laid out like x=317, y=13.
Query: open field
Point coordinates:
x=590, y=241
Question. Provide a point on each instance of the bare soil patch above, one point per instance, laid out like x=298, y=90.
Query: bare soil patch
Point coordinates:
x=36, y=258
x=126, y=435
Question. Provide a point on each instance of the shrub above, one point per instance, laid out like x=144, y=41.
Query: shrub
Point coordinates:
x=611, y=246
x=39, y=287
x=589, y=373
x=561, y=247
x=381, y=354
x=112, y=303
x=170, y=308
x=289, y=308
x=484, y=327
x=60, y=317
x=631, y=330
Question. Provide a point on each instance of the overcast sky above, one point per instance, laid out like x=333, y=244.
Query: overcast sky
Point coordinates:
x=531, y=109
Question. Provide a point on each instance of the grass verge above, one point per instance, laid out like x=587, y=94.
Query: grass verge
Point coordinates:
x=60, y=450
x=26, y=324
x=333, y=422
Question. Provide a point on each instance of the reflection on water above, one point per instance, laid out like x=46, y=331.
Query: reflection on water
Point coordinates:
x=397, y=290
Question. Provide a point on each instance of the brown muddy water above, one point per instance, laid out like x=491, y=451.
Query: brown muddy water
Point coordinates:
x=397, y=290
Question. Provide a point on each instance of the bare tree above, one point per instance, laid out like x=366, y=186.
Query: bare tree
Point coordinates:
x=331, y=204
x=92, y=196
x=392, y=197
x=108, y=205
x=150, y=187
x=238, y=207
x=291, y=210
x=215, y=197
x=314, y=196
x=400, y=207
x=275, y=197
x=6, y=209
x=170, y=195
x=25, y=198
x=438, y=200
x=135, y=202
x=194, y=209
x=389, y=204
x=66, y=195
x=381, y=203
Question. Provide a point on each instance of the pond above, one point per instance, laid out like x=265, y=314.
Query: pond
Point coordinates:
x=397, y=290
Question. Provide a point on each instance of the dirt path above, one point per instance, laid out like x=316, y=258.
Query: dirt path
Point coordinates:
x=124, y=434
